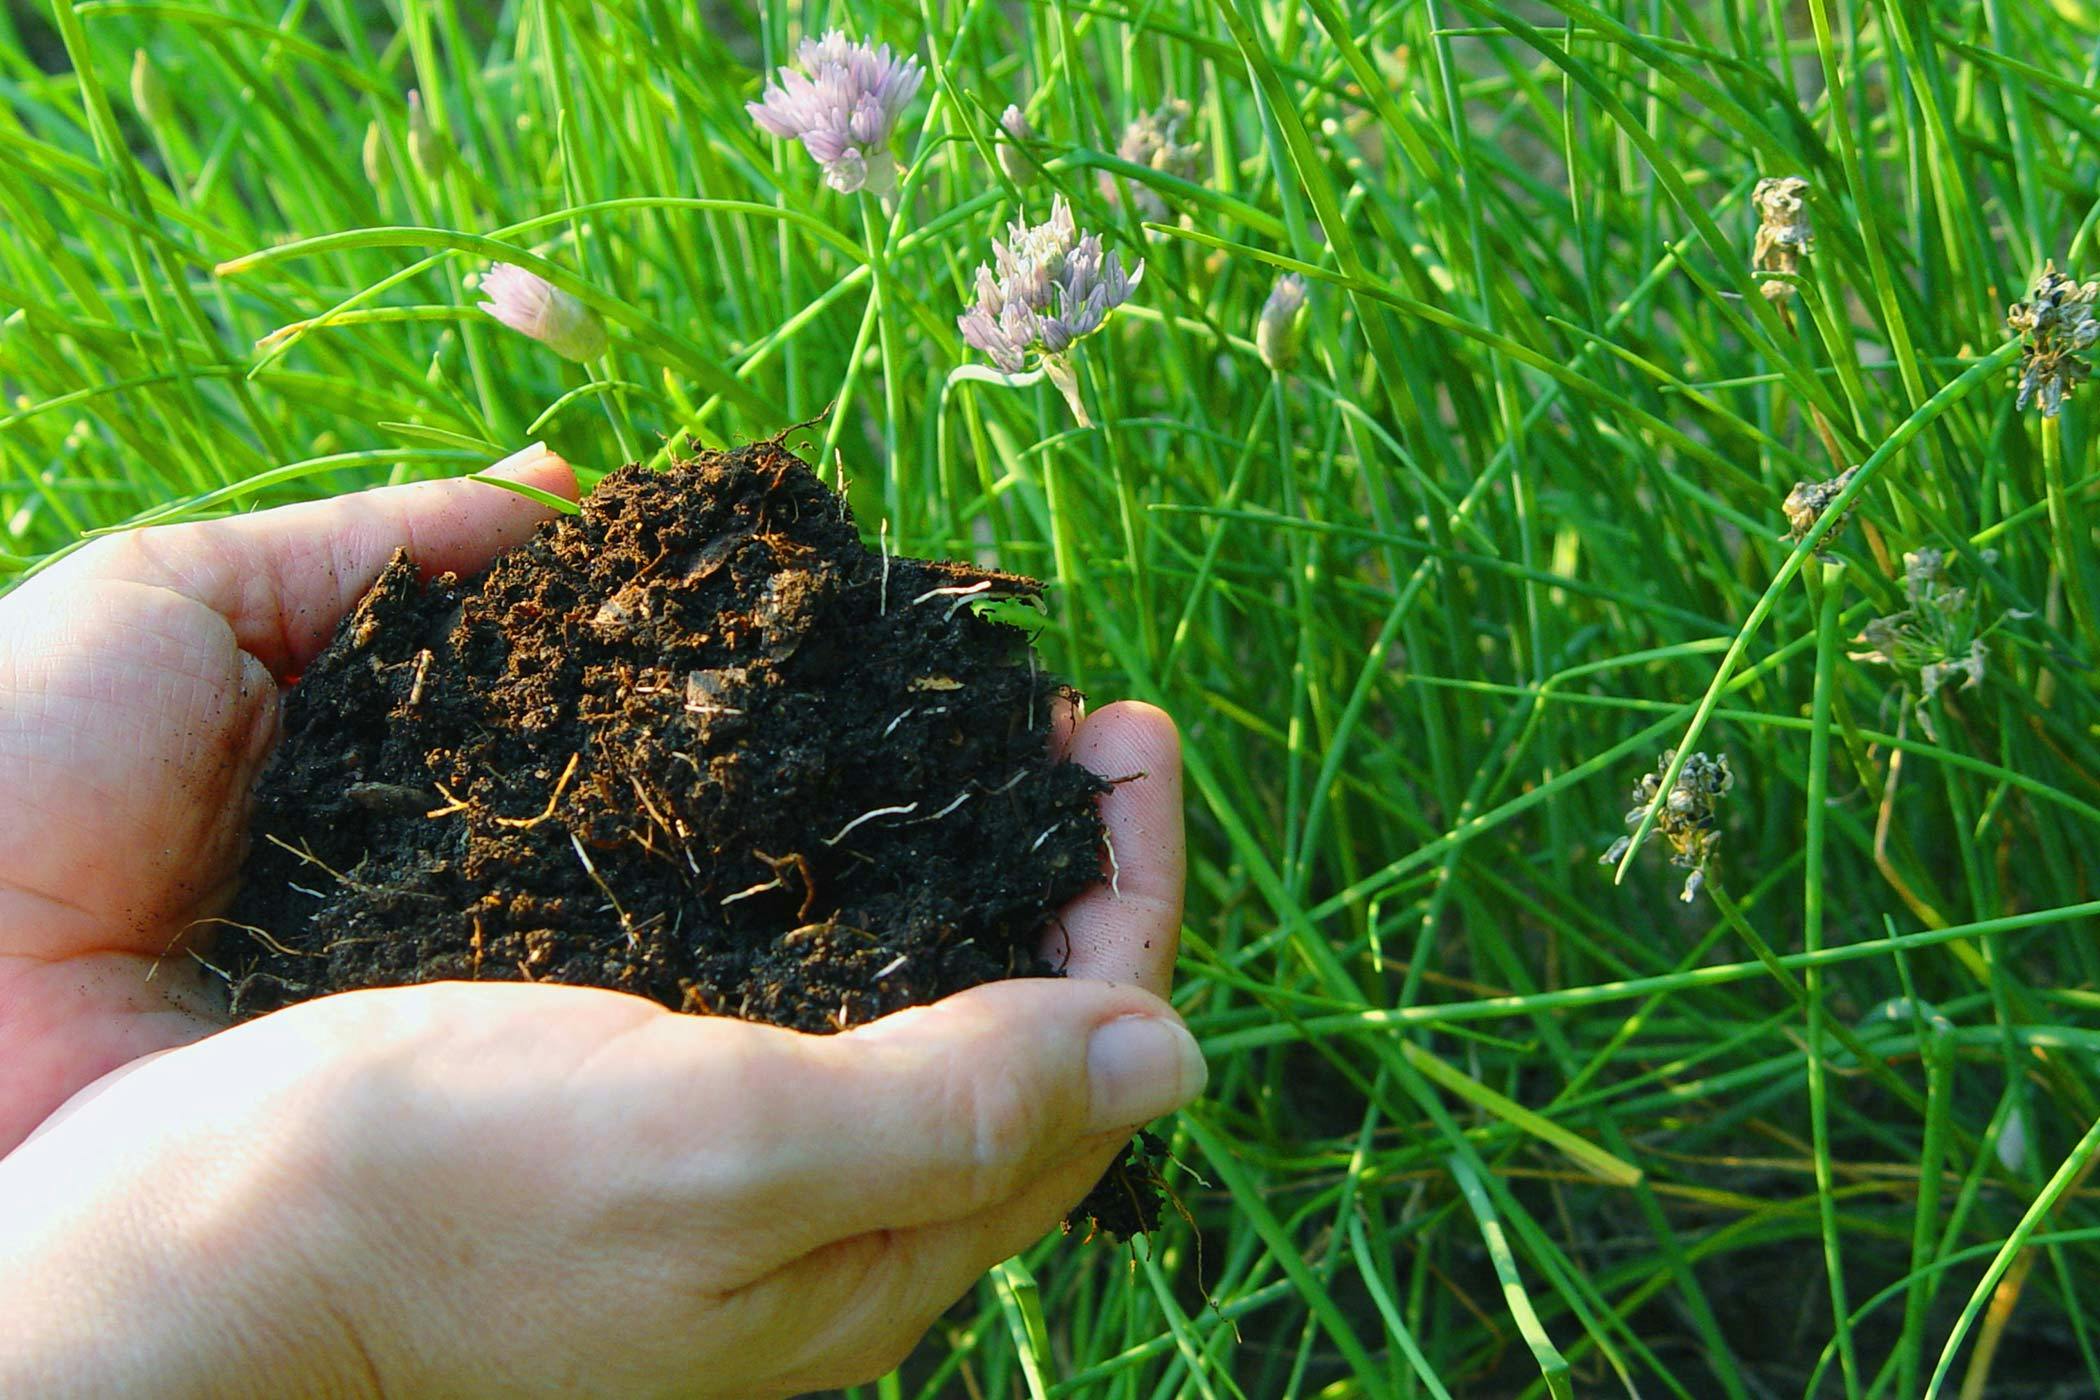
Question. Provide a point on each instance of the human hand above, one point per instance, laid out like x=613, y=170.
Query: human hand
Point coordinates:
x=515, y=1187
x=138, y=699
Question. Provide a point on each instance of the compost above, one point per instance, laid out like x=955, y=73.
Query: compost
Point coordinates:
x=697, y=743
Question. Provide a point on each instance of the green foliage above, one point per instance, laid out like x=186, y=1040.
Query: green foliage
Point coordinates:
x=1484, y=1121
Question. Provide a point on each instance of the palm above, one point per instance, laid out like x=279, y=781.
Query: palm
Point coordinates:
x=138, y=697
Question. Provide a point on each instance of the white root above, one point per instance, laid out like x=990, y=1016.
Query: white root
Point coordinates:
x=776, y=883
x=883, y=542
x=865, y=817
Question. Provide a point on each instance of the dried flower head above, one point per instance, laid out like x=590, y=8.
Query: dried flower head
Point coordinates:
x=1053, y=287
x=531, y=305
x=1934, y=641
x=2055, y=326
x=1806, y=503
x=1276, y=333
x=1686, y=819
x=1020, y=167
x=1153, y=141
x=842, y=104
x=1783, y=234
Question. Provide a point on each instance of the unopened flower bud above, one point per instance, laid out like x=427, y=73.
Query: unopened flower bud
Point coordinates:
x=1276, y=333
x=149, y=92
x=374, y=156
x=1020, y=167
x=427, y=148
x=533, y=306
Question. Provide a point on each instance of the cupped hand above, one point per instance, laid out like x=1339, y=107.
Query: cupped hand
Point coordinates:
x=139, y=687
x=497, y=1187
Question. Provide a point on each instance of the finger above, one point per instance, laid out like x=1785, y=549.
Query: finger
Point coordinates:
x=283, y=578
x=934, y=1113
x=1128, y=928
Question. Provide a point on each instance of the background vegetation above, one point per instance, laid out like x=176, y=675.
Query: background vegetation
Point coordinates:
x=1483, y=1121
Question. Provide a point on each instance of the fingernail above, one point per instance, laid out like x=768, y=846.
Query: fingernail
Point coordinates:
x=1139, y=1067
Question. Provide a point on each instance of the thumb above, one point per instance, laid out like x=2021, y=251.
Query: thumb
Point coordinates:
x=941, y=1112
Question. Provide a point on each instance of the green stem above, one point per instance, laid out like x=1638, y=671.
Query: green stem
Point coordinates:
x=887, y=315
x=2067, y=533
x=1812, y=942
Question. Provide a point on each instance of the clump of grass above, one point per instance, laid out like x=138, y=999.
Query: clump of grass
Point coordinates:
x=1481, y=1121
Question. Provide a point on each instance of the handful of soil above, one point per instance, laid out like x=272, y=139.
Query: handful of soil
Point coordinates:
x=697, y=743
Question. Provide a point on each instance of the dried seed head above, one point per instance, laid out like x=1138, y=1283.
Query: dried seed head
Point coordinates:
x=1276, y=333
x=1020, y=167
x=841, y=100
x=1806, y=503
x=531, y=305
x=2055, y=325
x=1783, y=234
x=1153, y=141
x=1053, y=287
x=1935, y=642
x=1686, y=818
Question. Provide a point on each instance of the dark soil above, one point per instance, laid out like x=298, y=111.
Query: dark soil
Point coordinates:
x=697, y=743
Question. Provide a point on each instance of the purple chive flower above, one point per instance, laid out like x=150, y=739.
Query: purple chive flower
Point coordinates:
x=842, y=104
x=1053, y=287
x=531, y=305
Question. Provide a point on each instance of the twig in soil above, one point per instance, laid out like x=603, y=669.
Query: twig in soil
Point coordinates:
x=801, y=865
x=905, y=810
x=253, y=932
x=626, y=924
x=305, y=853
x=560, y=785
x=648, y=806
x=415, y=689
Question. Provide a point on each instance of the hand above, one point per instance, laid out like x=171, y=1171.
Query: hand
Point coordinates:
x=479, y=1187
x=138, y=699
